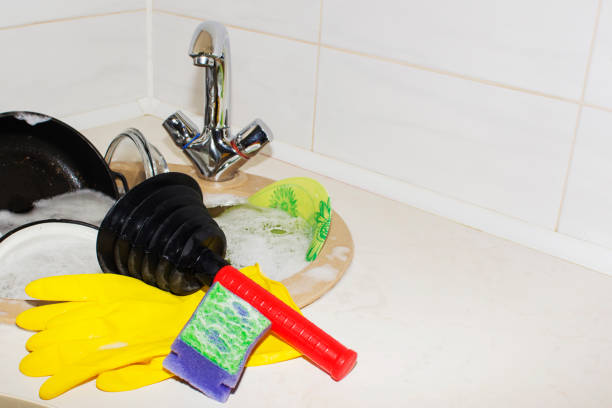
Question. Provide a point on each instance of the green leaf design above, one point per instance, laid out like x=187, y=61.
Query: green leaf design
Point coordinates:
x=321, y=229
x=283, y=197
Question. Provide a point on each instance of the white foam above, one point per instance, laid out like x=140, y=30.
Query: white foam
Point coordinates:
x=268, y=236
x=45, y=250
x=32, y=118
x=325, y=273
x=339, y=252
x=81, y=205
x=221, y=200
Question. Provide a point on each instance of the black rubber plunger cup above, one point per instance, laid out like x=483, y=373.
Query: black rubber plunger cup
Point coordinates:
x=162, y=223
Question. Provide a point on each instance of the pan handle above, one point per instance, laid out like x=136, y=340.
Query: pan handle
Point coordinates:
x=125, y=188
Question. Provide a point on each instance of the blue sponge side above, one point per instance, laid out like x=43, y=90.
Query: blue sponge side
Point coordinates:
x=201, y=373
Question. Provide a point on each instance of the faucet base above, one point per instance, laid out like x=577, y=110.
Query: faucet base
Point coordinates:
x=239, y=179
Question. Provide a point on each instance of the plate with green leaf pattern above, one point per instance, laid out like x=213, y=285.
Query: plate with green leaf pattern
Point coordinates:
x=300, y=197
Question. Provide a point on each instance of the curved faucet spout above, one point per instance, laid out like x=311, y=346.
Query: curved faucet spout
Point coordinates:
x=210, y=49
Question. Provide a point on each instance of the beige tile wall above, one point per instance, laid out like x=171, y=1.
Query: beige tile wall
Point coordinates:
x=490, y=146
x=24, y=12
x=68, y=57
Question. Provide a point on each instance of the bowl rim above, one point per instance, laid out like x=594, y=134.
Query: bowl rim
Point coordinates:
x=45, y=221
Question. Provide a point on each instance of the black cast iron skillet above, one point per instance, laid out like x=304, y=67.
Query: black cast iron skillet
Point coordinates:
x=41, y=157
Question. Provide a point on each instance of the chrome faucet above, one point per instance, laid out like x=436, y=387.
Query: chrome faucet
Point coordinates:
x=215, y=152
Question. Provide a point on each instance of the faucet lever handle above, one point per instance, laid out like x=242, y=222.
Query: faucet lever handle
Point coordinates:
x=252, y=138
x=181, y=128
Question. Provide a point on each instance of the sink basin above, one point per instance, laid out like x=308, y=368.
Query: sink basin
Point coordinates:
x=305, y=286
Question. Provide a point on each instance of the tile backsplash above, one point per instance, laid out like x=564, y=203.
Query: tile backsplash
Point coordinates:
x=502, y=107
x=494, y=147
x=587, y=207
x=598, y=90
x=41, y=11
x=296, y=19
x=73, y=65
x=539, y=45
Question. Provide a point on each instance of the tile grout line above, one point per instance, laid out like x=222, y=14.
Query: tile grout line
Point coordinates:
x=405, y=182
x=74, y=18
x=394, y=61
x=581, y=104
x=316, y=81
x=250, y=30
x=347, y=51
x=568, y=168
x=451, y=74
x=601, y=108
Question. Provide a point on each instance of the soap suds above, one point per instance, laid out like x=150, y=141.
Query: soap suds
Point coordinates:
x=32, y=119
x=45, y=255
x=82, y=205
x=339, y=252
x=268, y=236
x=222, y=200
x=326, y=273
x=314, y=277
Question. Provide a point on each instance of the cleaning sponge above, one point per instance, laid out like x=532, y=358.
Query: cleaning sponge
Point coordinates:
x=211, y=350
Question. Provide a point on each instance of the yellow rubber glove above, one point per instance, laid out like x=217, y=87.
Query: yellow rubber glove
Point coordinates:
x=117, y=328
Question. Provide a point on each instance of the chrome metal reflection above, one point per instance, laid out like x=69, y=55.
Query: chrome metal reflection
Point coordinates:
x=215, y=152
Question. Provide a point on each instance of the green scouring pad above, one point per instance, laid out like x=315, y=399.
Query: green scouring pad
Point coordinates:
x=211, y=350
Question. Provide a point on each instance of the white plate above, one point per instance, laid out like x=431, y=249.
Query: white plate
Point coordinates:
x=45, y=248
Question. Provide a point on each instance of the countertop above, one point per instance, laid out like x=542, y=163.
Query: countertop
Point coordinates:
x=441, y=315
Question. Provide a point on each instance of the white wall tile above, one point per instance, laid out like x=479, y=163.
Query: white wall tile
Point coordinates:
x=599, y=83
x=297, y=18
x=31, y=11
x=496, y=148
x=540, y=45
x=73, y=66
x=272, y=78
x=587, y=209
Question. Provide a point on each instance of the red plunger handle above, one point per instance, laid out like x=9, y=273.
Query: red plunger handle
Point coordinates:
x=322, y=349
